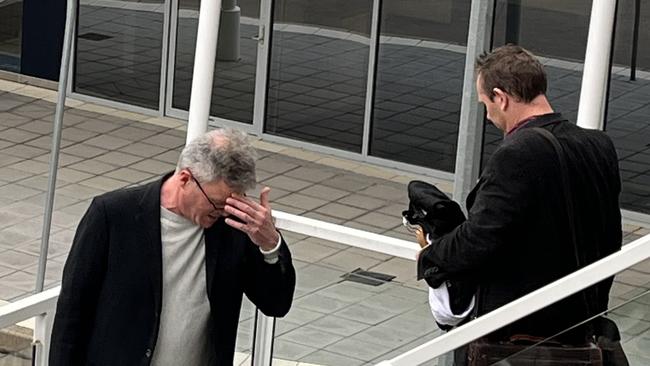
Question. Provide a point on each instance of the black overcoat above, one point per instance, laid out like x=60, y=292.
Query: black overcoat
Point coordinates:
x=517, y=235
x=110, y=302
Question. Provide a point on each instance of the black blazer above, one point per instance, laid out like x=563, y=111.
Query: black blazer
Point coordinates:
x=110, y=301
x=517, y=239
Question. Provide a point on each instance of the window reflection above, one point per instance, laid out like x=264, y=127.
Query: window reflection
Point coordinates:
x=118, y=51
x=419, y=82
x=628, y=109
x=10, y=34
x=233, y=89
x=318, y=71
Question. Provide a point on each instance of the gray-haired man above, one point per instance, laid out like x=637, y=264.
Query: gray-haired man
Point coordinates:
x=156, y=273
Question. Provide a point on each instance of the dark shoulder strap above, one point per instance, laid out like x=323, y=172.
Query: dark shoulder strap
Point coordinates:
x=564, y=174
x=568, y=199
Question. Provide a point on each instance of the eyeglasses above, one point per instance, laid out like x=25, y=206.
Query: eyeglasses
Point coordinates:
x=202, y=191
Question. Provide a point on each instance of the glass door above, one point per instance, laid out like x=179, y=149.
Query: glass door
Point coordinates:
x=235, y=77
x=118, y=51
x=11, y=14
x=318, y=71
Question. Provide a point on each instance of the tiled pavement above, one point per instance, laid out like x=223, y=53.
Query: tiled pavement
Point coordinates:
x=333, y=322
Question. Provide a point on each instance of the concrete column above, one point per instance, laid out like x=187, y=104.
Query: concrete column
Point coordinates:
x=229, y=35
x=204, y=59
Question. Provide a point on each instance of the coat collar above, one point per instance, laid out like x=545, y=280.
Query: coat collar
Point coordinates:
x=148, y=219
x=537, y=121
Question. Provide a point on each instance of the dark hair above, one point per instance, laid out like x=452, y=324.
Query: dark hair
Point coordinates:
x=514, y=70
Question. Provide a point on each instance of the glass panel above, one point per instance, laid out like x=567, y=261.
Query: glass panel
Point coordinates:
x=359, y=320
x=632, y=318
x=245, y=331
x=557, y=33
x=629, y=107
x=11, y=13
x=628, y=308
x=16, y=346
x=233, y=90
x=318, y=71
x=419, y=82
x=118, y=51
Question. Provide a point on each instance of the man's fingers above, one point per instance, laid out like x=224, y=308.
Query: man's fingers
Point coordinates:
x=246, y=201
x=264, y=197
x=243, y=215
x=236, y=224
x=249, y=207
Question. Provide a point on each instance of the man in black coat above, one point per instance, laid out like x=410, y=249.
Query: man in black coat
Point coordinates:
x=518, y=236
x=156, y=273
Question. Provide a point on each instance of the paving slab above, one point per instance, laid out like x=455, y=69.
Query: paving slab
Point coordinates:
x=291, y=351
x=310, y=336
x=312, y=253
x=322, y=357
x=340, y=211
x=301, y=201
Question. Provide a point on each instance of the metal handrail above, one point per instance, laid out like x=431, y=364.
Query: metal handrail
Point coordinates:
x=346, y=235
x=40, y=307
x=628, y=256
x=29, y=307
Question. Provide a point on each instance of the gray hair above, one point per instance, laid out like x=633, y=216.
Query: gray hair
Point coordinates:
x=223, y=154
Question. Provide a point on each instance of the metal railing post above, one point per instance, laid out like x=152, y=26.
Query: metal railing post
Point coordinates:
x=42, y=333
x=470, y=129
x=71, y=18
x=262, y=353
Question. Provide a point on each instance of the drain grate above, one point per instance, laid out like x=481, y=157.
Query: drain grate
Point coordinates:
x=91, y=36
x=367, y=277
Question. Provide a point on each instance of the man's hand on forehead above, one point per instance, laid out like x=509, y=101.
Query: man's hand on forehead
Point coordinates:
x=253, y=218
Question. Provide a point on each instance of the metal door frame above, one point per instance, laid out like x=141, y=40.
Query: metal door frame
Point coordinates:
x=260, y=74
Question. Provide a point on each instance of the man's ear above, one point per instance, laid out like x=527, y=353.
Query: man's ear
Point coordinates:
x=184, y=176
x=501, y=97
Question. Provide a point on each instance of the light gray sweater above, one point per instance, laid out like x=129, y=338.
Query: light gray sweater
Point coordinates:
x=183, y=337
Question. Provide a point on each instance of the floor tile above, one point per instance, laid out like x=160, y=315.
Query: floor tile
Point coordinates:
x=340, y=211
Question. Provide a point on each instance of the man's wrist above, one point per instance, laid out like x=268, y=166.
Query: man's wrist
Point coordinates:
x=271, y=255
x=274, y=247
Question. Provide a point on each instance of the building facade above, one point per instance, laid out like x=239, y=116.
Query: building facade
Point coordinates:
x=378, y=81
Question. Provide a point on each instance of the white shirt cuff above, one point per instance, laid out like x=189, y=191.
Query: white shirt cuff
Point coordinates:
x=271, y=256
x=440, y=305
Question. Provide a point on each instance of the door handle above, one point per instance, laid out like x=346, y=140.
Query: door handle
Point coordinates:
x=260, y=37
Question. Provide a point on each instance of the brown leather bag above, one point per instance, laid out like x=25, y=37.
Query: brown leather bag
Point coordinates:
x=483, y=353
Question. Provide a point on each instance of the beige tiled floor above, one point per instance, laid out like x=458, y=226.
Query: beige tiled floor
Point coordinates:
x=332, y=320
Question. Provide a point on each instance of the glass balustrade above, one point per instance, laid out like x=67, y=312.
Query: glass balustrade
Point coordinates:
x=16, y=346
x=629, y=310
x=351, y=306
